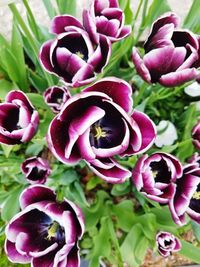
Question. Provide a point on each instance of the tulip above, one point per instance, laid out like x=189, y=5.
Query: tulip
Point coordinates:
x=45, y=232
x=155, y=176
x=171, y=55
x=18, y=119
x=167, y=243
x=72, y=55
x=105, y=18
x=36, y=170
x=196, y=135
x=99, y=124
x=55, y=97
x=186, y=197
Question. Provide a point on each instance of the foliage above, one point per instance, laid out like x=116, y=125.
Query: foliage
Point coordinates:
x=120, y=223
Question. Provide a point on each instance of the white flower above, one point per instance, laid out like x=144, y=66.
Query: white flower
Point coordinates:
x=166, y=134
x=193, y=89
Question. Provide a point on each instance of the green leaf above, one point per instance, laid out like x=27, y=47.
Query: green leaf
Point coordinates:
x=37, y=100
x=124, y=213
x=67, y=6
x=7, y=149
x=77, y=194
x=121, y=189
x=96, y=210
x=5, y=87
x=37, y=81
x=134, y=247
x=196, y=230
x=50, y=9
x=17, y=51
x=102, y=243
x=190, y=251
x=11, y=205
x=68, y=177
x=128, y=13
x=93, y=182
x=156, y=9
x=192, y=20
x=36, y=148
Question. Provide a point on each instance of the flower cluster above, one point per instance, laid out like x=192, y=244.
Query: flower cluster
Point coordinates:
x=171, y=55
x=162, y=178
x=80, y=51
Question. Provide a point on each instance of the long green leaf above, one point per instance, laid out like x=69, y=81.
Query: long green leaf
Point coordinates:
x=192, y=20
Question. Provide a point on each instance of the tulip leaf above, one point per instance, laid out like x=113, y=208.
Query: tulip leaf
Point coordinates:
x=134, y=246
x=17, y=50
x=121, y=189
x=156, y=9
x=5, y=87
x=37, y=100
x=196, y=230
x=6, y=149
x=67, y=7
x=192, y=20
x=50, y=9
x=11, y=205
x=190, y=251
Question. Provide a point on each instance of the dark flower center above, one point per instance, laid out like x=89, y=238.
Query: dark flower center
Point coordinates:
x=195, y=200
x=160, y=171
x=36, y=174
x=167, y=243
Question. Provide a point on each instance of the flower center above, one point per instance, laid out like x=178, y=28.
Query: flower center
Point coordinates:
x=52, y=231
x=99, y=133
x=79, y=54
x=196, y=195
x=154, y=173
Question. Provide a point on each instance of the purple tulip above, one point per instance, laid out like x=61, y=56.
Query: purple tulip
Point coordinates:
x=105, y=18
x=196, y=135
x=18, y=119
x=72, y=55
x=186, y=197
x=171, y=55
x=45, y=232
x=36, y=170
x=55, y=97
x=97, y=125
x=155, y=176
x=167, y=243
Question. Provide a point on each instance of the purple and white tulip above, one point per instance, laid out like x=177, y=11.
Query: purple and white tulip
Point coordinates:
x=155, y=176
x=105, y=18
x=36, y=170
x=45, y=232
x=72, y=55
x=186, y=197
x=196, y=135
x=99, y=124
x=55, y=97
x=18, y=119
x=171, y=55
x=167, y=243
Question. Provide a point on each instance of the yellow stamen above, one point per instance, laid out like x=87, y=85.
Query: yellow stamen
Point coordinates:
x=196, y=195
x=52, y=230
x=154, y=174
x=99, y=133
x=79, y=54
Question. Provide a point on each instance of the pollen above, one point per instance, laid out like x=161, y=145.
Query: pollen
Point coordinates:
x=52, y=230
x=99, y=133
x=155, y=173
x=196, y=195
x=79, y=54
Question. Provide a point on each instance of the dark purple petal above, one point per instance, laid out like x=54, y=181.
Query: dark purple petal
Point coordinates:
x=90, y=26
x=140, y=66
x=179, y=77
x=147, y=129
x=34, y=194
x=119, y=90
x=13, y=255
x=168, y=18
x=59, y=23
x=45, y=56
x=109, y=170
x=196, y=135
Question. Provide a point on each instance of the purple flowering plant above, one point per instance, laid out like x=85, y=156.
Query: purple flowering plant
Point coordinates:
x=82, y=101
